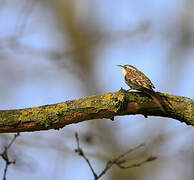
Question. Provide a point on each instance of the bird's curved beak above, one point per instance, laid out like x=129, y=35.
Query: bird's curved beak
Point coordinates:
x=120, y=66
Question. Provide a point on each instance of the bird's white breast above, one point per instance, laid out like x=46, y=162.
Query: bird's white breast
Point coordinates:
x=124, y=72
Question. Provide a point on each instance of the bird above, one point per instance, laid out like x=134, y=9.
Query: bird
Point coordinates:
x=137, y=80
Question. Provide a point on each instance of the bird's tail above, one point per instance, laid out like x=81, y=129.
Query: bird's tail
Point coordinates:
x=156, y=98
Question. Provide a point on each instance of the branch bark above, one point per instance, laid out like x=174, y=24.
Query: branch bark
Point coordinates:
x=58, y=115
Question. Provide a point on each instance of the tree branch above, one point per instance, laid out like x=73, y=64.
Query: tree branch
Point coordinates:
x=56, y=116
x=4, y=155
x=119, y=160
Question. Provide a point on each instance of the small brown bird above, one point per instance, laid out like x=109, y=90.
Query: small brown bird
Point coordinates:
x=137, y=80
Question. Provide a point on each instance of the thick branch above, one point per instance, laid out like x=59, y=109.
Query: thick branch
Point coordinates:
x=95, y=107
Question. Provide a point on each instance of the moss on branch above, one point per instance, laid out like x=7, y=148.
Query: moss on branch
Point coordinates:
x=95, y=107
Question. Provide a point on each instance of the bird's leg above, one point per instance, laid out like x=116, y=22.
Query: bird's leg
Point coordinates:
x=122, y=90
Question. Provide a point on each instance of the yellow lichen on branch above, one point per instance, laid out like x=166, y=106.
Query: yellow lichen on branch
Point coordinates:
x=94, y=107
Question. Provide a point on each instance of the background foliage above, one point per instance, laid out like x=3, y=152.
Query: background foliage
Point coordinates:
x=52, y=51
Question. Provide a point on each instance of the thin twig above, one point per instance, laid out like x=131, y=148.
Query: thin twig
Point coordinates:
x=151, y=158
x=81, y=153
x=119, y=160
x=4, y=155
x=12, y=141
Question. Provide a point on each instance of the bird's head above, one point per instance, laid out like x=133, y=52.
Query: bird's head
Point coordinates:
x=127, y=67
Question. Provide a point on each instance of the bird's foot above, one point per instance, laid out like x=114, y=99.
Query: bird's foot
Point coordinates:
x=122, y=90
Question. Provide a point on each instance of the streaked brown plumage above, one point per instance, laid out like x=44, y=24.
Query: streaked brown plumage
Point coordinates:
x=137, y=80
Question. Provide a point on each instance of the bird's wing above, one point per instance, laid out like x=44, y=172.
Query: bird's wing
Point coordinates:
x=139, y=78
